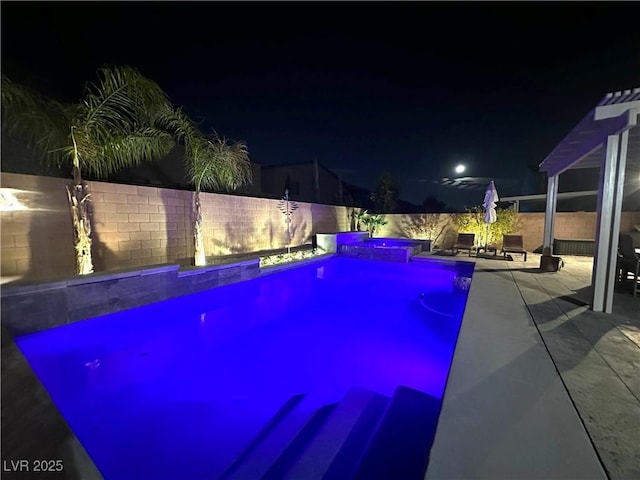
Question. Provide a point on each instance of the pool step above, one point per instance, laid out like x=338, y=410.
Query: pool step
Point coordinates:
x=401, y=444
x=364, y=436
x=340, y=442
x=268, y=445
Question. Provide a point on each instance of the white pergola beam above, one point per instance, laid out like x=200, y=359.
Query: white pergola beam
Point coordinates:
x=610, y=111
x=543, y=196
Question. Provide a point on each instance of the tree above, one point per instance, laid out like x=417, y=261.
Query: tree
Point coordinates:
x=431, y=204
x=430, y=226
x=118, y=122
x=385, y=196
x=211, y=163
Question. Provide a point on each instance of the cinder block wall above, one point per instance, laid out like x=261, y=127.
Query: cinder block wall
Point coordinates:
x=410, y=226
x=140, y=226
x=568, y=225
x=236, y=224
x=136, y=226
x=38, y=239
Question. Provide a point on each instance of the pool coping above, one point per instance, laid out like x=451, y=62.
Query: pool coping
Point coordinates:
x=506, y=412
x=295, y=264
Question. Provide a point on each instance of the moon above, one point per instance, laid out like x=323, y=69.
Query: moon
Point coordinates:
x=460, y=168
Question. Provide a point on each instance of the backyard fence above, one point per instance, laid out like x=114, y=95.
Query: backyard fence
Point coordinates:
x=143, y=226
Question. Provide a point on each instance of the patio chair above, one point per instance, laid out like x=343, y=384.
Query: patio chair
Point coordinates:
x=629, y=261
x=465, y=241
x=513, y=244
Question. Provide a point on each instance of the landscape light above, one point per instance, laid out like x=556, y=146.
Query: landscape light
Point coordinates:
x=9, y=201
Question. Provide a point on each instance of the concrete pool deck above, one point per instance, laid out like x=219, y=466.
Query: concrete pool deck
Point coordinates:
x=540, y=386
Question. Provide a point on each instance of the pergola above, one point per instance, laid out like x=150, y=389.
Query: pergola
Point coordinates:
x=608, y=137
x=542, y=196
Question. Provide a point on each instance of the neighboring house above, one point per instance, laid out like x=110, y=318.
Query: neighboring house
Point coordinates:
x=355, y=196
x=170, y=172
x=313, y=182
x=306, y=181
x=17, y=158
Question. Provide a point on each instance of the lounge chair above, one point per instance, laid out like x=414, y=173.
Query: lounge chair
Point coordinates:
x=629, y=261
x=465, y=241
x=513, y=244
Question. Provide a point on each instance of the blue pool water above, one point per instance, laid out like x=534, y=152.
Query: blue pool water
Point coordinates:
x=178, y=389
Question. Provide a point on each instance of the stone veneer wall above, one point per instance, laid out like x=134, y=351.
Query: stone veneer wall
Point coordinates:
x=34, y=307
x=568, y=225
x=138, y=226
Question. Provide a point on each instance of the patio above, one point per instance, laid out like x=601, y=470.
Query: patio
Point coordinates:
x=541, y=386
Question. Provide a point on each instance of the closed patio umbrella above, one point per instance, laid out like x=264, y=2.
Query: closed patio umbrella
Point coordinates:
x=489, y=204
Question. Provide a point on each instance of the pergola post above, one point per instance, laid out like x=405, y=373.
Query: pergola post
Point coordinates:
x=608, y=222
x=550, y=213
x=617, y=213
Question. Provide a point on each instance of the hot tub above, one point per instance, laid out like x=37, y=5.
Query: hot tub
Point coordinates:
x=389, y=249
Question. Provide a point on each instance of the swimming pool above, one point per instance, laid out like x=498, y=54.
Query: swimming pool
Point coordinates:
x=181, y=388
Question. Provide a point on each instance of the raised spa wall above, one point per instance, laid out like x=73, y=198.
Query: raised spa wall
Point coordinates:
x=359, y=245
x=330, y=242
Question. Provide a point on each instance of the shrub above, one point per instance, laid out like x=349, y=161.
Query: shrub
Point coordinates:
x=473, y=222
x=428, y=226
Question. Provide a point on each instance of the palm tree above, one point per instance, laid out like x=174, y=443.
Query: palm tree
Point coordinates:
x=358, y=218
x=212, y=162
x=373, y=222
x=120, y=121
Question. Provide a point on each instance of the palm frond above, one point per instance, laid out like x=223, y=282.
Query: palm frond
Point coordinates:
x=122, y=99
x=216, y=163
x=42, y=123
x=143, y=145
x=176, y=122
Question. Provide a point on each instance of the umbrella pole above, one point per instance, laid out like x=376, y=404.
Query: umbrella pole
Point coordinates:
x=486, y=239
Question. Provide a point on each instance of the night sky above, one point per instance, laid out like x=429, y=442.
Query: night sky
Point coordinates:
x=411, y=88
